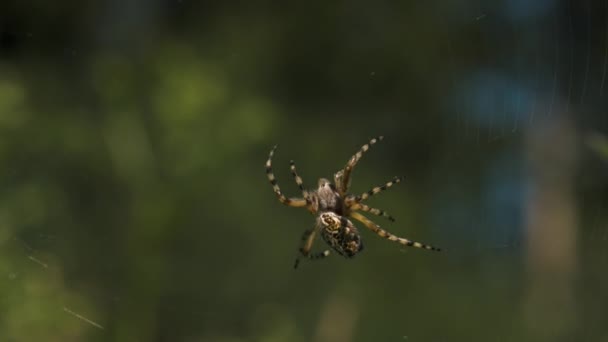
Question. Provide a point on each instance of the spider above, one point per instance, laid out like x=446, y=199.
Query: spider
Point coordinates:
x=333, y=206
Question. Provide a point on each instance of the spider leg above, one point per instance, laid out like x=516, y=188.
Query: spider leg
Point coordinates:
x=374, y=211
x=292, y=202
x=308, y=238
x=378, y=189
x=299, y=182
x=383, y=233
x=343, y=176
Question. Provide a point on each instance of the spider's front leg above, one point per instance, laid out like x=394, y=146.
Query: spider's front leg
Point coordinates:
x=299, y=182
x=354, y=206
x=342, y=177
x=354, y=202
x=292, y=202
x=378, y=189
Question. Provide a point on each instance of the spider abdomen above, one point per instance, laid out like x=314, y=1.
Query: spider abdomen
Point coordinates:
x=347, y=244
x=340, y=234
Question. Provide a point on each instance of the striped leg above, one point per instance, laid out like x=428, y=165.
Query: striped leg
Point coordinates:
x=298, y=180
x=292, y=202
x=383, y=233
x=378, y=189
x=308, y=238
x=344, y=175
x=374, y=211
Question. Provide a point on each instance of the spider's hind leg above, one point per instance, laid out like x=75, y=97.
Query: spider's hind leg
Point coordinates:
x=308, y=238
x=316, y=256
x=383, y=233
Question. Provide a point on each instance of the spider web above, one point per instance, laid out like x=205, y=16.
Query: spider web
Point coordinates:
x=135, y=206
x=533, y=108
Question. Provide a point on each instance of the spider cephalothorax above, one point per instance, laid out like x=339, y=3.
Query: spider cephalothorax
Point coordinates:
x=333, y=205
x=326, y=198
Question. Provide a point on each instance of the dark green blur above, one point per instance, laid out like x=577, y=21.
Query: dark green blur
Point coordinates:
x=134, y=204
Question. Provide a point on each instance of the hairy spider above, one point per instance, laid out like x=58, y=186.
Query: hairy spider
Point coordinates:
x=333, y=205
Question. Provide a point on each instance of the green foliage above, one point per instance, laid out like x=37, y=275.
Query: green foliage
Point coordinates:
x=599, y=144
x=134, y=205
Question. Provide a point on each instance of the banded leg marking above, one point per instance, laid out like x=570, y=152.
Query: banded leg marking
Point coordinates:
x=383, y=233
x=298, y=180
x=373, y=211
x=345, y=183
x=378, y=189
x=292, y=202
x=308, y=238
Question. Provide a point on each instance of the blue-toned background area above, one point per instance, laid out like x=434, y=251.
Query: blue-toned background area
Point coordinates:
x=134, y=204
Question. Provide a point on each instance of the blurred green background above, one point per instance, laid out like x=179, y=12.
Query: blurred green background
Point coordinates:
x=134, y=204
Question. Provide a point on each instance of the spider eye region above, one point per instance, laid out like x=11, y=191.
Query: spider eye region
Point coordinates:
x=323, y=183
